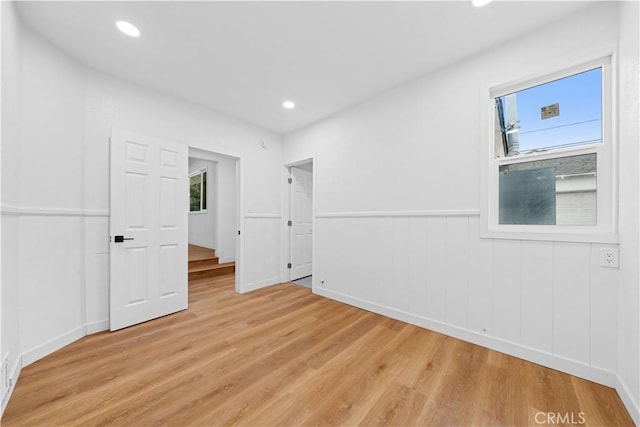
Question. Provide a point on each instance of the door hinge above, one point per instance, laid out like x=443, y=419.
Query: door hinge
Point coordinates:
x=289, y=265
x=290, y=180
x=289, y=223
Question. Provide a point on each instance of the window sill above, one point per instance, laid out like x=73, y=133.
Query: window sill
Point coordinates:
x=198, y=212
x=565, y=235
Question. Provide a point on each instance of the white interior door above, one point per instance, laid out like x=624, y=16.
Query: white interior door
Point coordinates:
x=148, y=209
x=302, y=225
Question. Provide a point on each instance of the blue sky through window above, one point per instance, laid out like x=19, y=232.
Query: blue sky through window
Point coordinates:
x=580, y=121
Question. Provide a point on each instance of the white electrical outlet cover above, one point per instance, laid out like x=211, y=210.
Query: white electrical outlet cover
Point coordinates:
x=609, y=257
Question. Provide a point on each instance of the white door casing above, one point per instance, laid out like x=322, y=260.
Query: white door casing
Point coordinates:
x=149, y=199
x=302, y=223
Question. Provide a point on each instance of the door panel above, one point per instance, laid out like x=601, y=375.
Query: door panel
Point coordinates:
x=168, y=205
x=302, y=222
x=137, y=279
x=168, y=271
x=149, y=200
x=136, y=190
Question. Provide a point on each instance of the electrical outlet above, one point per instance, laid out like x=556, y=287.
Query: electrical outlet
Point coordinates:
x=609, y=257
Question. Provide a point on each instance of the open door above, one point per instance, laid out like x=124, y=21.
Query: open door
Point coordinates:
x=149, y=198
x=301, y=222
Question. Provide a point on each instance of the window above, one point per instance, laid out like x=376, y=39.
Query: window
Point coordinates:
x=550, y=157
x=562, y=113
x=560, y=191
x=198, y=191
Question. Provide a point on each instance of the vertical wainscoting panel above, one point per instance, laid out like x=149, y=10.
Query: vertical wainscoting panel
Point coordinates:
x=348, y=255
x=571, y=288
x=418, y=258
x=380, y=259
x=262, y=251
x=330, y=254
x=10, y=275
x=326, y=254
x=604, y=284
x=457, y=271
x=437, y=268
x=507, y=271
x=37, y=302
x=97, y=272
x=400, y=257
x=537, y=295
x=357, y=265
x=52, y=294
x=250, y=245
x=480, y=280
x=70, y=264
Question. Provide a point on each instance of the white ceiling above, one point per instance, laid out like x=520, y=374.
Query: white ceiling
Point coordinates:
x=244, y=58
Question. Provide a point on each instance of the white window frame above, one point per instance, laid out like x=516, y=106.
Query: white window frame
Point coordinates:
x=605, y=230
x=202, y=193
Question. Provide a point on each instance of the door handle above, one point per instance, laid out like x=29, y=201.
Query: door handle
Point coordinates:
x=120, y=239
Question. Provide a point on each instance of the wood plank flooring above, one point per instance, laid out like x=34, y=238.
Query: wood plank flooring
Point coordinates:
x=199, y=253
x=282, y=356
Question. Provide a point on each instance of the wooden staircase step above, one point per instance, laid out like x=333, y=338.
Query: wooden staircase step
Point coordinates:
x=197, y=253
x=207, y=262
x=212, y=270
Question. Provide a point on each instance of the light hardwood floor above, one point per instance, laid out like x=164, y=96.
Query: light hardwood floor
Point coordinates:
x=282, y=356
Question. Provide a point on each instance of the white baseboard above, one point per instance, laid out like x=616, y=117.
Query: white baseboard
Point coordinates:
x=628, y=401
x=258, y=285
x=14, y=379
x=559, y=363
x=37, y=353
x=95, y=327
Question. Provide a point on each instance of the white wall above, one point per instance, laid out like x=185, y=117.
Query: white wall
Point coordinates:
x=57, y=119
x=227, y=207
x=629, y=135
x=397, y=216
x=42, y=197
x=3, y=392
x=51, y=221
x=42, y=209
x=202, y=225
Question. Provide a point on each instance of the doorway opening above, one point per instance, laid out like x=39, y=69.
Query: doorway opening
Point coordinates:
x=213, y=214
x=301, y=223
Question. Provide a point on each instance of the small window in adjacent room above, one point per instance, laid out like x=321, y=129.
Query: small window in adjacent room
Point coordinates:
x=198, y=191
x=551, y=157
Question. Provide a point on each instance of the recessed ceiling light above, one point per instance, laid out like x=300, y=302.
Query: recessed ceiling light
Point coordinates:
x=480, y=3
x=289, y=105
x=128, y=28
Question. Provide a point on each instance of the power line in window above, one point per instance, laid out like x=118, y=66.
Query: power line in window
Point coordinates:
x=560, y=126
x=568, y=144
